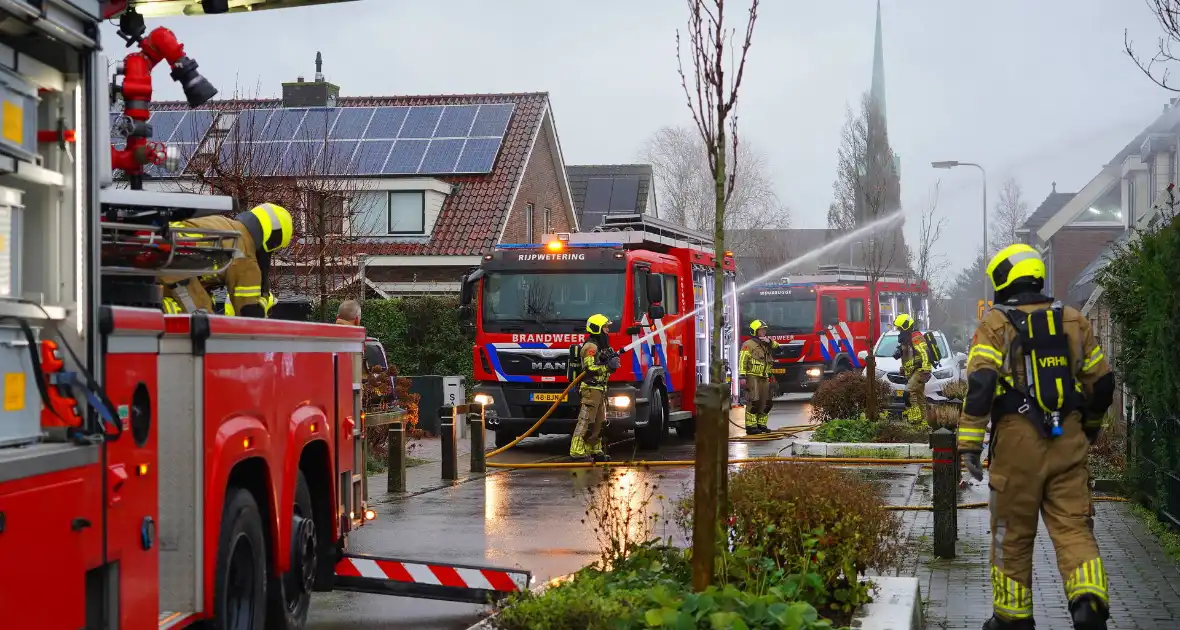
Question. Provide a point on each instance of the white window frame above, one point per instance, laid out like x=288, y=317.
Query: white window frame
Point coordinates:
x=389, y=227
x=529, y=209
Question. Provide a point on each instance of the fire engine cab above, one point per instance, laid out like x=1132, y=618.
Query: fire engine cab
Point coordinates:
x=652, y=278
x=158, y=471
x=824, y=321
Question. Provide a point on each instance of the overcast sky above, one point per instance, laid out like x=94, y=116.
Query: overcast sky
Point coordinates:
x=1041, y=91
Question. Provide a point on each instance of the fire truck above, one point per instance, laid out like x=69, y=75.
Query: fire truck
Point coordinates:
x=822, y=321
x=158, y=471
x=652, y=278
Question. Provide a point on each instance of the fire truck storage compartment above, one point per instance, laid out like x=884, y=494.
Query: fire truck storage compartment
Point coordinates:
x=18, y=115
x=181, y=474
x=12, y=211
x=20, y=421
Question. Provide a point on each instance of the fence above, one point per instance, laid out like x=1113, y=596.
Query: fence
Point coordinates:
x=1153, y=464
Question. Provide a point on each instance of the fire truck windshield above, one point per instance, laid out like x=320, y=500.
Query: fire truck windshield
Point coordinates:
x=550, y=302
x=783, y=314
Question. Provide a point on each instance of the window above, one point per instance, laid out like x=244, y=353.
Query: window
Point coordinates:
x=671, y=296
x=407, y=212
x=528, y=223
x=1131, y=201
x=550, y=302
x=784, y=315
x=639, y=278
x=856, y=309
x=548, y=223
x=1105, y=210
x=324, y=215
x=830, y=315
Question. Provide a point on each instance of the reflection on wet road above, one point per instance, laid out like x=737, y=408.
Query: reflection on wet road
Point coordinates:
x=526, y=518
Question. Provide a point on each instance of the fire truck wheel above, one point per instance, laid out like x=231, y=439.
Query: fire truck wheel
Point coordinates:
x=290, y=593
x=239, y=592
x=650, y=436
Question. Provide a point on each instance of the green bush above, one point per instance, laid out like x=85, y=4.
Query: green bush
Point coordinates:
x=846, y=430
x=1140, y=291
x=813, y=519
x=845, y=396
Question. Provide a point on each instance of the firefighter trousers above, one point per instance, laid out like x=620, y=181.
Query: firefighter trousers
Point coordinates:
x=915, y=409
x=1034, y=477
x=591, y=417
x=758, y=395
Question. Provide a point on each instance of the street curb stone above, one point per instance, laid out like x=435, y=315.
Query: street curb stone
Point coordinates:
x=897, y=605
x=804, y=448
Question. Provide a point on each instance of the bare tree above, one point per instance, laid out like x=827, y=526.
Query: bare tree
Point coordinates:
x=312, y=177
x=686, y=189
x=1010, y=213
x=1167, y=13
x=926, y=263
x=868, y=188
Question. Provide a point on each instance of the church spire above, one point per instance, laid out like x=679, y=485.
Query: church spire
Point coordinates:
x=878, y=87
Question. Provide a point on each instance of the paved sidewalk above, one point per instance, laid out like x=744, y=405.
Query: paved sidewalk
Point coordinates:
x=1144, y=581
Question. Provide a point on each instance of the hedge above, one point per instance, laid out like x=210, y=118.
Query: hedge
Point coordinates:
x=421, y=334
x=1140, y=289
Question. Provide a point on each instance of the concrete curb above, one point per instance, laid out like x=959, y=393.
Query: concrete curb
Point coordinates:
x=486, y=622
x=803, y=448
x=897, y=605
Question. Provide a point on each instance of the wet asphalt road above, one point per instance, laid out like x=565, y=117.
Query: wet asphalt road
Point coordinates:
x=520, y=518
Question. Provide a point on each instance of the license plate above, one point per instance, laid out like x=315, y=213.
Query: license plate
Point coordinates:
x=547, y=397
x=778, y=370
x=899, y=394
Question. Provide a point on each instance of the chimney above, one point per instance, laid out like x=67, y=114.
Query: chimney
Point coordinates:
x=317, y=93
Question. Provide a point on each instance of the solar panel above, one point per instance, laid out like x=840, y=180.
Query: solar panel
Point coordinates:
x=317, y=123
x=479, y=154
x=405, y=157
x=598, y=193
x=300, y=157
x=283, y=124
x=336, y=157
x=492, y=120
x=456, y=121
x=441, y=156
x=249, y=124
x=163, y=124
x=194, y=127
x=387, y=121
x=420, y=122
x=371, y=156
x=625, y=194
x=351, y=123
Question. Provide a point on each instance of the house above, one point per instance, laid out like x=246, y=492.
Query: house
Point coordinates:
x=599, y=190
x=1066, y=251
x=407, y=192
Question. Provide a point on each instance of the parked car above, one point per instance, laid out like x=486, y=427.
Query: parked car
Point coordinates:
x=948, y=370
x=375, y=357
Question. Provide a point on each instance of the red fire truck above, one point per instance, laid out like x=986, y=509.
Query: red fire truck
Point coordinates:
x=157, y=471
x=822, y=320
x=652, y=278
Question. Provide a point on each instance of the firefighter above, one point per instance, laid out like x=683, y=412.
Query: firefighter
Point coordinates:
x=262, y=230
x=915, y=366
x=1036, y=371
x=754, y=363
x=598, y=361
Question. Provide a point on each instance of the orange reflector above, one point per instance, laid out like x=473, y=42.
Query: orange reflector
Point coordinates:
x=554, y=246
x=142, y=469
x=246, y=443
x=313, y=427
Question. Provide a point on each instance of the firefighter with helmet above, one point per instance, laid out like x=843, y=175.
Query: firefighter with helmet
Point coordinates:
x=1036, y=371
x=262, y=230
x=916, y=366
x=754, y=363
x=598, y=361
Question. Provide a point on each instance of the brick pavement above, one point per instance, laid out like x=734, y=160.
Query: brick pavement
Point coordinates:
x=1144, y=581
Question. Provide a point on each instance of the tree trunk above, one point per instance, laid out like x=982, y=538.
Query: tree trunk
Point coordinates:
x=718, y=372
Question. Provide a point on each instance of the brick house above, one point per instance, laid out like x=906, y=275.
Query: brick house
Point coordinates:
x=419, y=217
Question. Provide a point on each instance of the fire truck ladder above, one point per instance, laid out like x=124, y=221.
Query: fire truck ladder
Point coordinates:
x=466, y=583
x=640, y=229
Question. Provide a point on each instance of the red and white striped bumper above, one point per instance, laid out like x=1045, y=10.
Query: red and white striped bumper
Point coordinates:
x=433, y=580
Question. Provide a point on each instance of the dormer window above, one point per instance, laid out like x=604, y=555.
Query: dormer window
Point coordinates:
x=407, y=212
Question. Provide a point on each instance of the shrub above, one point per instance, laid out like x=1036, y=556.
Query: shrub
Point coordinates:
x=956, y=390
x=845, y=396
x=901, y=433
x=810, y=518
x=846, y=430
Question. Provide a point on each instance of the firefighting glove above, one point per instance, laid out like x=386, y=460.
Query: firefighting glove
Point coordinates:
x=974, y=467
x=897, y=352
x=614, y=363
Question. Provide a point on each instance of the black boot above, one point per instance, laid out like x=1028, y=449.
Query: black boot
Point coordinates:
x=1089, y=613
x=598, y=458
x=998, y=623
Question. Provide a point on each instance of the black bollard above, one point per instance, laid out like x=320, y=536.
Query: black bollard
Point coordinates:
x=450, y=454
x=396, y=472
x=475, y=428
x=946, y=490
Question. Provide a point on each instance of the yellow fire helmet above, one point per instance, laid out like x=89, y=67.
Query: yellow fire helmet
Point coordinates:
x=597, y=324
x=1013, y=263
x=757, y=325
x=270, y=224
x=903, y=322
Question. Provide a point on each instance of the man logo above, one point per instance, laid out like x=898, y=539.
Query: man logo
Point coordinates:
x=557, y=366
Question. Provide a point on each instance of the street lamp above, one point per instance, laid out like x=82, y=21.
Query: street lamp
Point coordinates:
x=949, y=164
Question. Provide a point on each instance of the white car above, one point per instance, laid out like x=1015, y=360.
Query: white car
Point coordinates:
x=948, y=370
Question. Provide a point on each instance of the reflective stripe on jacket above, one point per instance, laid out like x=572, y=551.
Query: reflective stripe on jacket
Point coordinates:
x=597, y=374
x=756, y=358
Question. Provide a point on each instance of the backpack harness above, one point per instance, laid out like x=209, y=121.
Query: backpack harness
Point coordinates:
x=1049, y=392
